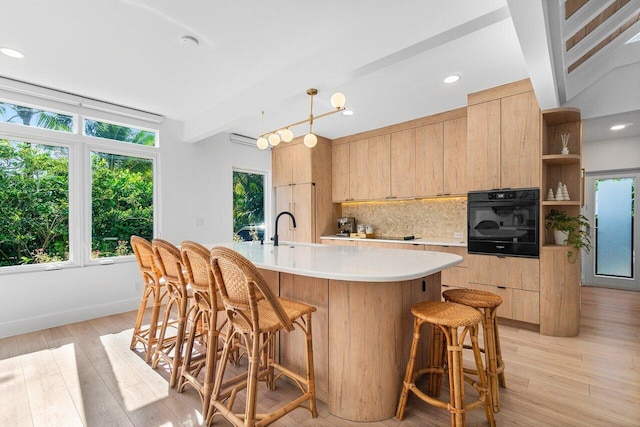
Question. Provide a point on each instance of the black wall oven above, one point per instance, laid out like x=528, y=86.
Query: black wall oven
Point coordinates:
x=504, y=222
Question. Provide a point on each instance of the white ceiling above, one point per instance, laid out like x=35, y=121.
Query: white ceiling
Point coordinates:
x=388, y=57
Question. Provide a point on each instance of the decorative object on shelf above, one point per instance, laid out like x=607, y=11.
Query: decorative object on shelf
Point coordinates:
x=310, y=140
x=565, y=143
x=550, y=195
x=565, y=192
x=559, y=191
x=569, y=230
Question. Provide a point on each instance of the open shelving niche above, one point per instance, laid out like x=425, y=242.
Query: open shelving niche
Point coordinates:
x=566, y=168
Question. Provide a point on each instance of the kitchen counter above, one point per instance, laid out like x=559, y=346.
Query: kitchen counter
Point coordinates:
x=408, y=242
x=344, y=262
x=363, y=327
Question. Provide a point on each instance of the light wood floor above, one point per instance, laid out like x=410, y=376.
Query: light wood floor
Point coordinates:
x=85, y=374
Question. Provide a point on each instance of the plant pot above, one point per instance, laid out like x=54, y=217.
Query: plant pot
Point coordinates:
x=561, y=237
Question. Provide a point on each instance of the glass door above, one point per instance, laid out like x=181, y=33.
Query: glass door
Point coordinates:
x=610, y=207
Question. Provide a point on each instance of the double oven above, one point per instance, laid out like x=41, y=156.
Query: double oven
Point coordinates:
x=504, y=222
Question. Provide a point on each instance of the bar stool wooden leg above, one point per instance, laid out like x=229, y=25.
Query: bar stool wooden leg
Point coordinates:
x=408, y=376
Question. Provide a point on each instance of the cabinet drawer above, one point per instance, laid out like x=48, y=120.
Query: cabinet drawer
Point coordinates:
x=455, y=276
x=517, y=304
x=517, y=273
x=456, y=250
x=339, y=242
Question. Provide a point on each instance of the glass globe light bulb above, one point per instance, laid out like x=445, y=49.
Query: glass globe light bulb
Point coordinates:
x=338, y=100
x=310, y=140
x=274, y=139
x=286, y=135
x=262, y=143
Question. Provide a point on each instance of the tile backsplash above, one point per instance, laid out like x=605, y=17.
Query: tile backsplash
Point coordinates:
x=430, y=219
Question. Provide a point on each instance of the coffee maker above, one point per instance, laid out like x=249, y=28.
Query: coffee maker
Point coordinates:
x=346, y=226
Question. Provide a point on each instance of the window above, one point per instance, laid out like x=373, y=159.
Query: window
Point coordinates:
x=34, y=117
x=119, y=133
x=49, y=216
x=121, y=202
x=34, y=203
x=248, y=205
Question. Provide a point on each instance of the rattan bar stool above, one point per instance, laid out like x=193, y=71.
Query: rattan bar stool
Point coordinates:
x=256, y=316
x=205, y=327
x=169, y=348
x=447, y=317
x=154, y=290
x=487, y=304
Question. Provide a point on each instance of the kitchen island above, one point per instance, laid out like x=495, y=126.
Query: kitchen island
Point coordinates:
x=363, y=328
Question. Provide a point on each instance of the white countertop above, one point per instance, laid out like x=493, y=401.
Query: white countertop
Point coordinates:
x=408, y=242
x=350, y=263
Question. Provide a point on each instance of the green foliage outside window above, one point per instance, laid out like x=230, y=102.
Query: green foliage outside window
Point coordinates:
x=248, y=200
x=34, y=193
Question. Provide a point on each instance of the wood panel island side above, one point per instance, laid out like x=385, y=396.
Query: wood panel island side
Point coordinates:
x=363, y=328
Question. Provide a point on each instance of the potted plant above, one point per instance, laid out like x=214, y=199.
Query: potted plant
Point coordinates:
x=569, y=230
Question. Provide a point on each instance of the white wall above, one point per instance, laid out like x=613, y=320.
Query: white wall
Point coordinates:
x=195, y=180
x=611, y=154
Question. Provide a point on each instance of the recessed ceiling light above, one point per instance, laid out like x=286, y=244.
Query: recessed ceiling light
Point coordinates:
x=348, y=112
x=618, y=127
x=12, y=52
x=189, y=41
x=452, y=78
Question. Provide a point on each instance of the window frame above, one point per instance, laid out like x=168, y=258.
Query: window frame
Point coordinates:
x=268, y=194
x=79, y=148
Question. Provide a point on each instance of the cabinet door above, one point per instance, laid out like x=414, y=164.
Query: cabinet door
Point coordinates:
x=403, y=163
x=369, y=168
x=525, y=306
x=291, y=164
x=299, y=160
x=479, y=268
x=303, y=209
x=284, y=202
x=483, y=146
x=518, y=273
x=429, y=159
x=282, y=172
x=455, y=156
x=520, y=154
x=340, y=173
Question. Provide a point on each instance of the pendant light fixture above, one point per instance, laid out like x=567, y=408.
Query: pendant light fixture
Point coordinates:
x=285, y=134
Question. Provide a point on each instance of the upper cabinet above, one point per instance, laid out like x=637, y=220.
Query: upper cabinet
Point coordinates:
x=291, y=164
x=503, y=138
x=369, y=168
x=403, y=163
x=421, y=158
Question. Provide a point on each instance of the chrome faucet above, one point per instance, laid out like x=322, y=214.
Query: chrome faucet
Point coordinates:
x=293, y=220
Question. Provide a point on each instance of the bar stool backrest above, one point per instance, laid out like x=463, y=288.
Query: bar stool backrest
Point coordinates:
x=240, y=284
x=169, y=262
x=144, y=255
x=195, y=259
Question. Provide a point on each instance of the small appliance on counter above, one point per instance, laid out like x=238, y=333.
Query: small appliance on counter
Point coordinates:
x=346, y=226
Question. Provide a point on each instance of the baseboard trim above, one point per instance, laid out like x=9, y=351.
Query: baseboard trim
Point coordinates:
x=51, y=320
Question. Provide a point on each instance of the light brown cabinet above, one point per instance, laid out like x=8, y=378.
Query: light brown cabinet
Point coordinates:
x=340, y=185
x=503, y=146
x=370, y=168
x=403, y=163
x=299, y=199
x=302, y=181
x=517, y=280
x=291, y=164
x=422, y=158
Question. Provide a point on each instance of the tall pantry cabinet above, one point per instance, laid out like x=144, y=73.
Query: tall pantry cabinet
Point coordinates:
x=302, y=185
